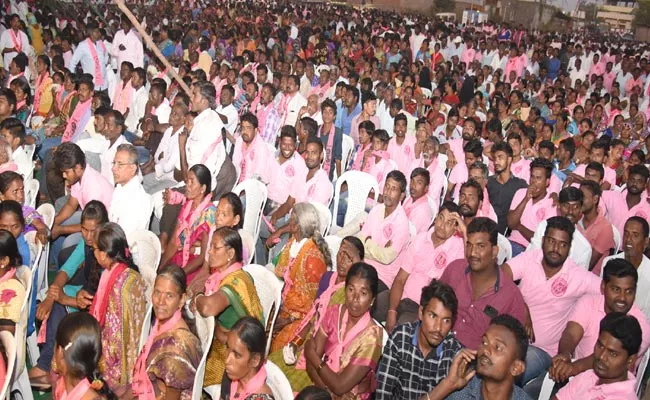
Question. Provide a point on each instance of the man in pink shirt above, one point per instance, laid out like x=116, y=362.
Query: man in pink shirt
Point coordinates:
x=615, y=354
x=85, y=184
x=630, y=202
x=634, y=81
x=468, y=54
x=520, y=166
x=416, y=205
x=551, y=284
x=377, y=163
x=531, y=206
x=385, y=232
x=402, y=147
x=368, y=111
x=581, y=333
x=478, y=172
x=608, y=76
x=594, y=226
x=597, y=155
x=473, y=153
x=454, y=148
x=425, y=258
x=597, y=68
x=290, y=168
x=251, y=156
x=429, y=161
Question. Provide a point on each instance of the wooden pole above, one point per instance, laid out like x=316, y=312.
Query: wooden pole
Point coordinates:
x=147, y=39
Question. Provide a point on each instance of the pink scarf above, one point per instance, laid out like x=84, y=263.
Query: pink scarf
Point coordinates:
x=8, y=275
x=142, y=386
x=72, y=125
x=17, y=40
x=106, y=283
x=13, y=77
x=359, y=158
x=78, y=391
x=214, y=281
x=253, y=386
x=247, y=151
x=328, y=148
x=185, y=221
x=334, y=355
x=99, y=79
x=122, y=96
x=40, y=88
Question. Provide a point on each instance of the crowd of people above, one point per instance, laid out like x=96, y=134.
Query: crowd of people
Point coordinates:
x=503, y=241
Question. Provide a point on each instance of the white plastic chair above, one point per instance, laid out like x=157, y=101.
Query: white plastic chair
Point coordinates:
x=36, y=250
x=205, y=329
x=278, y=382
x=269, y=290
x=640, y=371
x=20, y=379
x=146, y=328
x=256, y=196
x=360, y=184
x=384, y=336
x=426, y=92
x=443, y=192
x=334, y=243
x=505, y=249
x=547, y=388
x=249, y=245
x=617, y=239
x=347, y=147
x=442, y=162
x=9, y=343
x=31, y=192
x=47, y=212
x=146, y=250
x=324, y=215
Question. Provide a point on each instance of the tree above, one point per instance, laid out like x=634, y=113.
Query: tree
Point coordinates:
x=642, y=14
x=591, y=11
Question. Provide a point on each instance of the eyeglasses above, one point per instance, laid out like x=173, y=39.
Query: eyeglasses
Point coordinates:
x=121, y=164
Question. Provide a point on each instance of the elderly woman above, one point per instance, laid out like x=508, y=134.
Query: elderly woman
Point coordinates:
x=301, y=264
x=331, y=291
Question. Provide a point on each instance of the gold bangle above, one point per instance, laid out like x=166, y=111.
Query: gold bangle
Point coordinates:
x=395, y=311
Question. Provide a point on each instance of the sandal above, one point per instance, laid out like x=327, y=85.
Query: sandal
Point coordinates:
x=41, y=383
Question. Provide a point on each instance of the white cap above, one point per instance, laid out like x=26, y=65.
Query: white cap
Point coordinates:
x=458, y=40
x=322, y=68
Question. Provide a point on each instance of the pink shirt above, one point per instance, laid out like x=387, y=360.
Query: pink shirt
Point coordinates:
x=357, y=163
x=608, y=80
x=418, y=212
x=354, y=127
x=286, y=175
x=597, y=69
x=550, y=301
x=521, y=169
x=379, y=171
x=486, y=209
x=585, y=387
x=252, y=159
x=600, y=236
x=318, y=188
x=457, y=177
x=617, y=210
x=533, y=214
x=456, y=147
x=588, y=313
x=395, y=228
x=610, y=174
x=631, y=83
x=403, y=155
x=467, y=56
x=424, y=262
x=92, y=186
x=436, y=179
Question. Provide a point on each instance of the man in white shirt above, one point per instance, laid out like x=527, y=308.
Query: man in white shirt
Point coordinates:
x=13, y=130
x=113, y=132
x=291, y=102
x=93, y=56
x=127, y=45
x=139, y=99
x=227, y=110
x=570, y=200
x=13, y=41
x=131, y=206
x=578, y=72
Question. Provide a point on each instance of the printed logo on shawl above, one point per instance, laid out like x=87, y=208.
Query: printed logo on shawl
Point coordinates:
x=559, y=287
x=407, y=150
x=290, y=171
x=7, y=295
x=541, y=214
x=311, y=190
x=388, y=230
x=441, y=260
x=642, y=214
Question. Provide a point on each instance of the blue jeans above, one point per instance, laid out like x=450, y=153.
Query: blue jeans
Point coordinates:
x=537, y=364
x=47, y=145
x=47, y=349
x=143, y=152
x=262, y=256
x=64, y=242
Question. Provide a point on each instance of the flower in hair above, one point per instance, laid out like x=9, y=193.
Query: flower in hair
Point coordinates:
x=97, y=384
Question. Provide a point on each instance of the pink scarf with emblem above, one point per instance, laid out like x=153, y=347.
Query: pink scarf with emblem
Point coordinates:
x=334, y=354
x=72, y=125
x=99, y=79
x=186, y=220
x=40, y=88
x=248, y=155
x=17, y=40
x=329, y=148
x=214, y=281
x=142, y=386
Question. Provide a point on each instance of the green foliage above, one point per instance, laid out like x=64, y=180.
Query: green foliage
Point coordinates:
x=642, y=14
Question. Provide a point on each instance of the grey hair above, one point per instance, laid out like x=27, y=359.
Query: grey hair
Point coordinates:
x=309, y=223
x=209, y=92
x=132, y=152
x=7, y=148
x=482, y=167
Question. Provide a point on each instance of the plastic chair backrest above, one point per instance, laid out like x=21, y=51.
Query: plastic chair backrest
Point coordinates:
x=334, y=243
x=360, y=184
x=269, y=291
x=146, y=250
x=505, y=249
x=9, y=343
x=640, y=372
x=324, y=215
x=205, y=330
x=35, y=250
x=547, y=388
x=47, y=212
x=146, y=327
x=31, y=191
x=278, y=382
x=23, y=274
x=617, y=239
x=347, y=147
x=256, y=196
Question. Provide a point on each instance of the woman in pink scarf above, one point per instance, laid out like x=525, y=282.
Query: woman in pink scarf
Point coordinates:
x=166, y=365
x=188, y=247
x=343, y=355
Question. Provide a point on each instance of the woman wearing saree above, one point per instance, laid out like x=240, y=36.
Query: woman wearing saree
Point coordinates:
x=43, y=96
x=301, y=264
x=343, y=355
x=65, y=102
x=119, y=306
x=229, y=295
x=331, y=291
x=167, y=364
x=187, y=248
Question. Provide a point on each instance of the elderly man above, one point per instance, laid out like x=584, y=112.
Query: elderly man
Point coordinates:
x=131, y=206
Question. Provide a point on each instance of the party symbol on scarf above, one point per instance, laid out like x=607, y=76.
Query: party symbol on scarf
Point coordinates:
x=7, y=295
x=388, y=230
